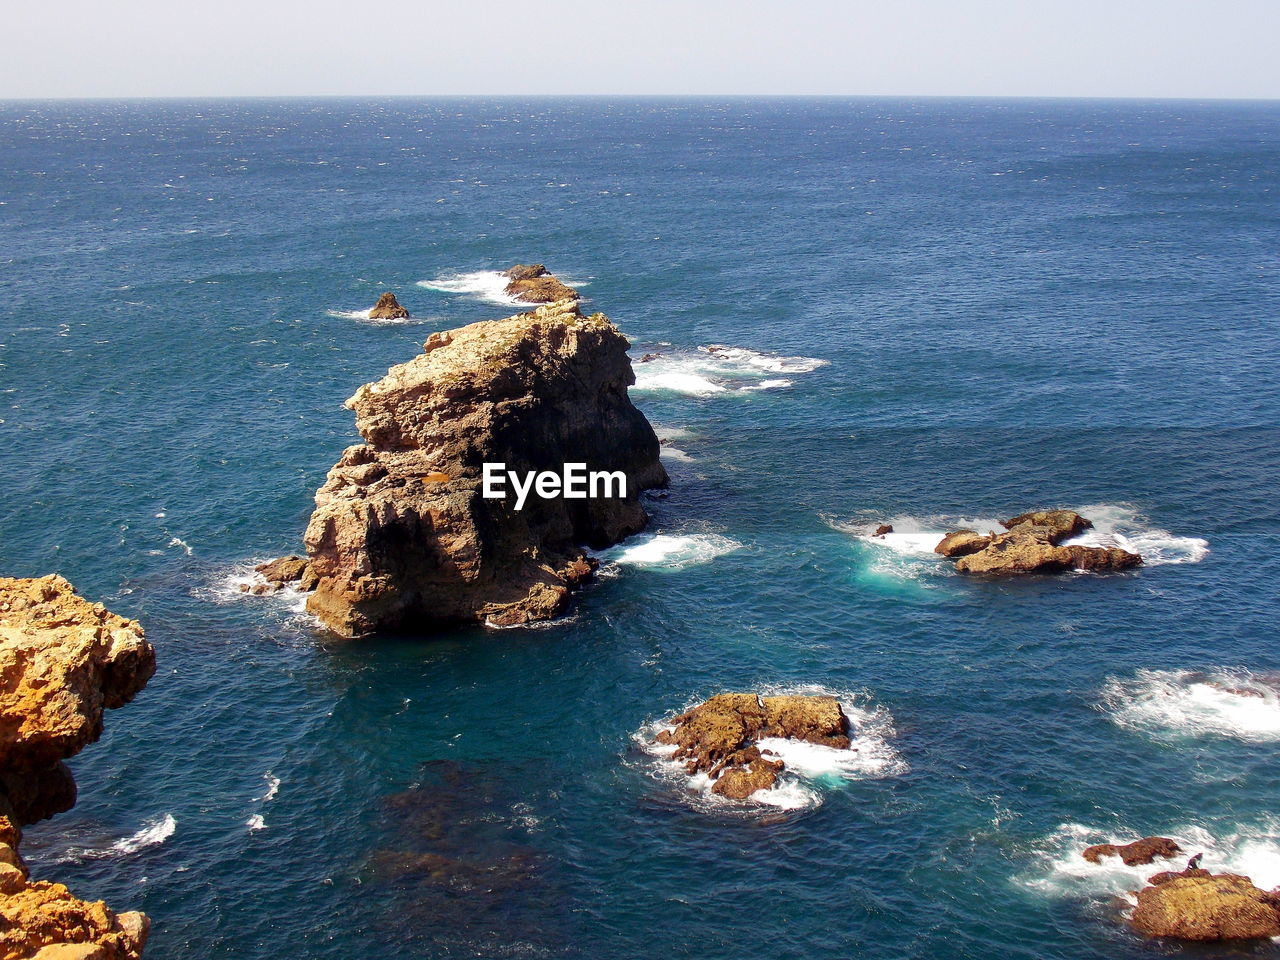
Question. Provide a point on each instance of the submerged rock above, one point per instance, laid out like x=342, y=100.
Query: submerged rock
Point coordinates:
x=719, y=737
x=388, y=308
x=402, y=538
x=1198, y=905
x=1139, y=852
x=534, y=283
x=1032, y=544
x=63, y=660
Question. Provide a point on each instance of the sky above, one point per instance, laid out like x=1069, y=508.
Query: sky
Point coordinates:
x=1065, y=48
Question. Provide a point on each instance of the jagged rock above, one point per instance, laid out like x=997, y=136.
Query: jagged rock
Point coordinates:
x=719, y=737
x=388, y=308
x=63, y=660
x=961, y=543
x=533, y=283
x=1133, y=854
x=883, y=529
x=1031, y=544
x=402, y=538
x=1202, y=906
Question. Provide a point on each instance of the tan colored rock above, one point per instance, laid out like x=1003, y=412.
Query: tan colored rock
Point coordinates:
x=1031, y=544
x=63, y=661
x=401, y=537
x=388, y=308
x=883, y=529
x=534, y=283
x=719, y=737
x=961, y=543
x=1203, y=908
x=1138, y=853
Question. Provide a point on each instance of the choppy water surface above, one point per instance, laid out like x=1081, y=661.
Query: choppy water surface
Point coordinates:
x=921, y=312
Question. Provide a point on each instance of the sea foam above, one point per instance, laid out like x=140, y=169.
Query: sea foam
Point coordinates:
x=362, y=316
x=664, y=551
x=1061, y=870
x=1172, y=704
x=712, y=370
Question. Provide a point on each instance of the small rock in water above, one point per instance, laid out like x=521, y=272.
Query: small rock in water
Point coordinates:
x=388, y=308
x=883, y=529
x=1032, y=544
x=534, y=283
x=1139, y=852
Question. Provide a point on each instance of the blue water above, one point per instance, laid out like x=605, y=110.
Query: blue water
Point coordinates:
x=1020, y=304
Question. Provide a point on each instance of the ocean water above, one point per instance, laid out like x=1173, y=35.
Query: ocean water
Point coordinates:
x=923, y=312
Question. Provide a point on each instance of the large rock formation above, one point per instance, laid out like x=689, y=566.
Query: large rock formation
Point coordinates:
x=1033, y=543
x=388, y=308
x=63, y=661
x=534, y=283
x=1198, y=905
x=720, y=737
x=1138, y=853
x=402, y=538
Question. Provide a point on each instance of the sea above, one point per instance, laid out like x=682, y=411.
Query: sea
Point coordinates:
x=930, y=313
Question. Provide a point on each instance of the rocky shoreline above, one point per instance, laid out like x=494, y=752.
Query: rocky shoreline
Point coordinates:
x=63, y=661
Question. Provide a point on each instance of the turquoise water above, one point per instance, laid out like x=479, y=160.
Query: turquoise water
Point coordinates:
x=951, y=310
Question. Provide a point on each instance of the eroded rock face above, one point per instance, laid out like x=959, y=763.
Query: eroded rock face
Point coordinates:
x=1139, y=852
x=1032, y=544
x=388, y=308
x=1197, y=905
x=719, y=737
x=534, y=283
x=63, y=660
x=402, y=538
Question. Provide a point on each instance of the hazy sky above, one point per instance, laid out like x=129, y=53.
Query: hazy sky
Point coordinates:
x=1130, y=48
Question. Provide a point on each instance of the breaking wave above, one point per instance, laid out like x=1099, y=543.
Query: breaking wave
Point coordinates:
x=1060, y=870
x=362, y=316
x=1222, y=702
x=665, y=551
x=717, y=369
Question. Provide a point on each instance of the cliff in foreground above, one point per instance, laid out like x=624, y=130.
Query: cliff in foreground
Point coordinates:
x=63, y=661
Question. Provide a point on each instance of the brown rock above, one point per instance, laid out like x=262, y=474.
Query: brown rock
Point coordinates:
x=883, y=529
x=719, y=737
x=533, y=283
x=288, y=569
x=961, y=543
x=1213, y=907
x=402, y=538
x=1031, y=545
x=1062, y=524
x=388, y=308
x=1137, y=853
x=63, y=660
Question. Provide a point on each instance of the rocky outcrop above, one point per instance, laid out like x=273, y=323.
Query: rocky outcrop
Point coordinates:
x=1198, y=905
x=720, y=737
x=534, y=283
x=402, y=537
x=388, y=308
x=63, y=661
x=1138, y=853
x=883, y=530
x=1033, y=543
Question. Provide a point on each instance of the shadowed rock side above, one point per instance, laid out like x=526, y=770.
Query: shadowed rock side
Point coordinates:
x=388, y=308
x=719, y=737
x=534, y=283
x=1032, y=544
x=401, y=538
x=63, y=661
